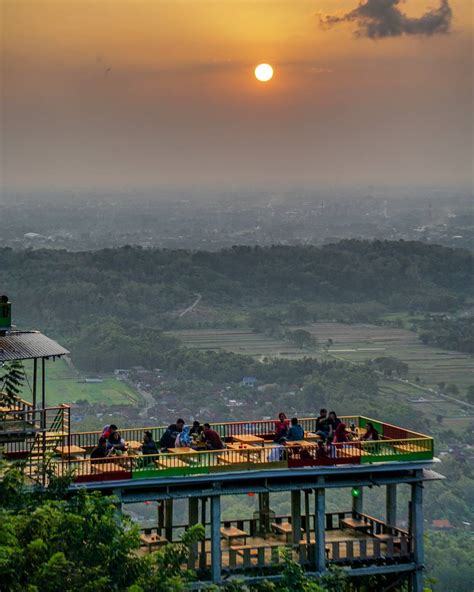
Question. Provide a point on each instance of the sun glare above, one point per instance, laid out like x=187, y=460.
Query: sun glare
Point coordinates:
x=264, y=72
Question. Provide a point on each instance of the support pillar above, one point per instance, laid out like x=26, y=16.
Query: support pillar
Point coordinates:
x=43, y=393
x=216, y=554
x=35, y=382
x=264, y=512
x=202, y=555
x=307, y=517
x=358, y=502
x=193, y=518
x=391, y=505
x=169, y=520
x=320, y=527
x=296, y=516
x=161, y=517
x=417, y=534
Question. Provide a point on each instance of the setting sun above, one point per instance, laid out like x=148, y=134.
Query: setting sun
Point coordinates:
x=264, y=72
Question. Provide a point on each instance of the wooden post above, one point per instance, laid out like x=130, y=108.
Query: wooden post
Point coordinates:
x=296, y=516
x=320, y=526
x=169, y=519
x=216, y=554
x=193, y=518
x=202, y=558
x=391, y=504
x=417, y=534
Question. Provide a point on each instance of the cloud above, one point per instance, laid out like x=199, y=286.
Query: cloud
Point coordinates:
x=383, y=18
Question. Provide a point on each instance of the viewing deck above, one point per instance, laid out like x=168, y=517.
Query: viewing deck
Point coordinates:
x=249, y=447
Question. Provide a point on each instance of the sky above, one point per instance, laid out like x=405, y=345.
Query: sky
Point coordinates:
x=141, y=93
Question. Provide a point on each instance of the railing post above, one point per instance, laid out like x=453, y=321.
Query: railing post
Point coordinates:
x=320, y=526
x=391, y=504
x=417, y=534
x=216, y=554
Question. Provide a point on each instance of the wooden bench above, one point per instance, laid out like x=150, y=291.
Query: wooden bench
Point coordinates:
x=231, y=532
x=355, y=524
x=285, y=528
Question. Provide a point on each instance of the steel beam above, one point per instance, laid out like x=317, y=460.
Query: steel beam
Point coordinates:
x=391, y=504
x=296, y=516
x=320, y=527
x=417, y=533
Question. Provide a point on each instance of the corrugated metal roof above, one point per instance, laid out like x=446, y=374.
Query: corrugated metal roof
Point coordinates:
x=25, y=345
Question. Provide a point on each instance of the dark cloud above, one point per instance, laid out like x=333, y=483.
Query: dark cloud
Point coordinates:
x=383, y=18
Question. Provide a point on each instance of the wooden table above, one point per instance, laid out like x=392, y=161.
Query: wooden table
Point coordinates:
x=153, y=540
x=230, y=532
x=171, y=463
x=249, y=439
x=232, y=459
x=285, y=528
x=182, y=450
x=311, y=436
x=302, y=443
x=105, y=467
x=68, y=451
x=134, y=444
x=247, y=450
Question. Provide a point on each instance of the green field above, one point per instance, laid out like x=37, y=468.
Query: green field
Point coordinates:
x=239, y=341
x=62, y=386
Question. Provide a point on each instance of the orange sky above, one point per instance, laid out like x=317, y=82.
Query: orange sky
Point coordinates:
x=143, y=92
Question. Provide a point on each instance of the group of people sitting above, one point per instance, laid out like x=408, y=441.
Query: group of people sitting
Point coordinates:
x=198, y=437
x=329, y=427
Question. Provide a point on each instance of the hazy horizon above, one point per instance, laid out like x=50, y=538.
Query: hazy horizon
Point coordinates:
x=146, y=94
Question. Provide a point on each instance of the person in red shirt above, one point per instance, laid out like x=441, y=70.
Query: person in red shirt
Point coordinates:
x=212, y=438
x=281, y=427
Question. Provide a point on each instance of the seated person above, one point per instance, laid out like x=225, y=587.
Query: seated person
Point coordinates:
x=334, y=421
x=198, y=441
x=195, y=430
x=116, y=442
x=276, y=453
x=323, y=425
x=149, y=445
x=183, y=439
x=281, y=427
x=371, y=433
x=340, y=434
x=295, y=432
x=101, y=451
x=108, y=429
x=212, y=438
x=168, y=439
x=321, y=451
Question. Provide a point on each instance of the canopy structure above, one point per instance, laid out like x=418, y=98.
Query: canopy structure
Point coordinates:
x=28, y=345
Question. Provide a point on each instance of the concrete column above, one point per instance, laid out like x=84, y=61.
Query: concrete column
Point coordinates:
x=216, y=554
x=264, y=512
x=193, y=518
x=417, y=534
x=307, y=517
x=169, y=519
x=296, y=516
x=391, y=504
x=320, y=527
x=358, y=502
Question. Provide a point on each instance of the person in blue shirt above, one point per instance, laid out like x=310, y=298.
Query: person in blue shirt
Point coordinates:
x=295, y=432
